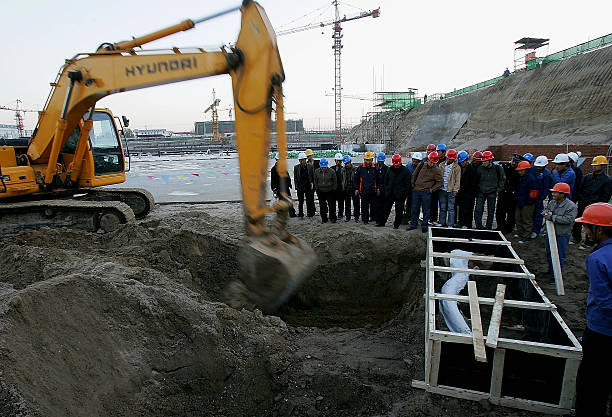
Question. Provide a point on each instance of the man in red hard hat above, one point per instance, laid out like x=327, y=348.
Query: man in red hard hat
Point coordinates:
x=491, y=179
x=450, y=187
x=397, y=186
x=562, y=212
x=525, y=200
x=593, y=385
x=427, y=178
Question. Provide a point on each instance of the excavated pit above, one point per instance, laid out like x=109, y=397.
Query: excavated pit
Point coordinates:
x=105, y=324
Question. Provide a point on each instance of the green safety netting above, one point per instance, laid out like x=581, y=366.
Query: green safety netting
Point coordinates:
x=317, y=154
x=540, y=62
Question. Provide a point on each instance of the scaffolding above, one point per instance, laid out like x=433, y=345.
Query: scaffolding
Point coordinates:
x=525, y=51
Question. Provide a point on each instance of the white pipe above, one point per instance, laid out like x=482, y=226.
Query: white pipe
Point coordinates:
x=450, y=310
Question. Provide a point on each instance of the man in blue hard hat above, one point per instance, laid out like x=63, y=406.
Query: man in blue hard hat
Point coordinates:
x=381, y=171
x=349, y=187
x=325, y=183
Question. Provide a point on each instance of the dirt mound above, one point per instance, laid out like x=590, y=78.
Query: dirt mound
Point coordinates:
x=132, y=323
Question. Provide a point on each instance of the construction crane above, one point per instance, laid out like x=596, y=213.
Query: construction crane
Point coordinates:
x=337, y=47
x=216, y=137
x=18, y=116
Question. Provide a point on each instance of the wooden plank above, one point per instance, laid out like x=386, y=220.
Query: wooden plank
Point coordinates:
x=497, y=373
x=478, y=257
x=558, y=351
x=478, y=241
x=554, y=256
x=568, y=389
x=529, y=405
x=488, y=272
x=529, y=305
x=428, y=353
x=480, y=353
x=435, y=363
x=493, y=332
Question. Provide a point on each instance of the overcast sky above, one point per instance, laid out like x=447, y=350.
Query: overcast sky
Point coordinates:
x=434, y=46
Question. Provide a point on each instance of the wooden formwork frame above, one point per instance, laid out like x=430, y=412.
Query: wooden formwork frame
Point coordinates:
x=434, y=337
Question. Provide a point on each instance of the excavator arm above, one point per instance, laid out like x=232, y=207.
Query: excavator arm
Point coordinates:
x=274, y=261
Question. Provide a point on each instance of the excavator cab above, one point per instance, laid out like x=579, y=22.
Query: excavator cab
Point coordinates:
x=107, y=155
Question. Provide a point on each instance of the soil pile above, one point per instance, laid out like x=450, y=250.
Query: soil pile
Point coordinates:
x=132, y=323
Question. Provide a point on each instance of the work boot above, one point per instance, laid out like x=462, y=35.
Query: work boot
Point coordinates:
x=356, y=220
x=348, y=219
x=333, y=220
x=379, y=225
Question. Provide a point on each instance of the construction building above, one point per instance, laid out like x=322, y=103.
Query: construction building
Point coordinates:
x=226, y=127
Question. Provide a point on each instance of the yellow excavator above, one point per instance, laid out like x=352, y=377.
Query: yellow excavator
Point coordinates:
x=54, y=180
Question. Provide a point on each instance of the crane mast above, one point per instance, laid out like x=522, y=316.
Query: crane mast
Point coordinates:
x=337, y=47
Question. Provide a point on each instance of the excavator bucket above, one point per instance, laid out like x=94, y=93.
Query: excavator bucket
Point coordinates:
x=270, y=273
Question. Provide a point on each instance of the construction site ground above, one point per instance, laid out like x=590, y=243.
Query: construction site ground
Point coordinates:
x=133, y=322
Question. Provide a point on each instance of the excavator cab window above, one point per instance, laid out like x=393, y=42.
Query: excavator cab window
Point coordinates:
x=105, y=146
x=104, y=143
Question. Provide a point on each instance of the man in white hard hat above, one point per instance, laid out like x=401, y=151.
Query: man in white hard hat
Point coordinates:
x=573, y=159
x=562, y=172
x=544, y=183
x=416, y=158
x=339, y=193
x=303, y=176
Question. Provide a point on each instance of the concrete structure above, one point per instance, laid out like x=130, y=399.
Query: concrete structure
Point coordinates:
x=227, y=127
x=9, y=131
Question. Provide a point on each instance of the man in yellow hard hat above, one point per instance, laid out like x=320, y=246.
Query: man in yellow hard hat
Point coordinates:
x=596, y=188
x=310, y=205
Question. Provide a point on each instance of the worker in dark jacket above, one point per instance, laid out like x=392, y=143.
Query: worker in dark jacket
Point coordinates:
x=435, y=196
x=544, y=183
x=339, y=193
x=573, y=161
x=303, y=175
x=491, y=180
x=593, y=387
x=397, y=185
x=427, y=179
x=348, y=185
x=506, y=200
x=466, y=197
x=596, y=188
x=365, y=183
x=278, y=188
x=381, y=171
x=326, y=183
x=526, y=197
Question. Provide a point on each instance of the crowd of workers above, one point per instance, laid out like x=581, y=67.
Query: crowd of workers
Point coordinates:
x=451, y=189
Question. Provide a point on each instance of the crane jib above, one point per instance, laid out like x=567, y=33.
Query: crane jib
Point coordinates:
x=166, y=66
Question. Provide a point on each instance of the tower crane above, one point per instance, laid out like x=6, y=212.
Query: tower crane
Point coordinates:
x=18, y=116
x=337, y=47
x=216, y=137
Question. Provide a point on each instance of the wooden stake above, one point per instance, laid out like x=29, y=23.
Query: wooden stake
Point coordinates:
x=480, y=353
x=493, y=332
x=554, y=256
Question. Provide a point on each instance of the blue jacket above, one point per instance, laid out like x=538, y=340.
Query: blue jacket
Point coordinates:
x=544, y=182
x=568, y=176
x=410, y=167
x=365, y=179
x=599, y=301
x=526, y=183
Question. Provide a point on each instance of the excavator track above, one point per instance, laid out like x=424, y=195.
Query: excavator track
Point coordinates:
x=74, y=214
x=139, y=200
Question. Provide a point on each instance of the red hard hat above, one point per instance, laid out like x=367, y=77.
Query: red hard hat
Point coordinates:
x=477, y=156
x=560, y=187
x=396, y=159
x=526, y=165
x=451, y=154
x=431, y=147
x=433, y=157
x=599, y=214
x=487, y=156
